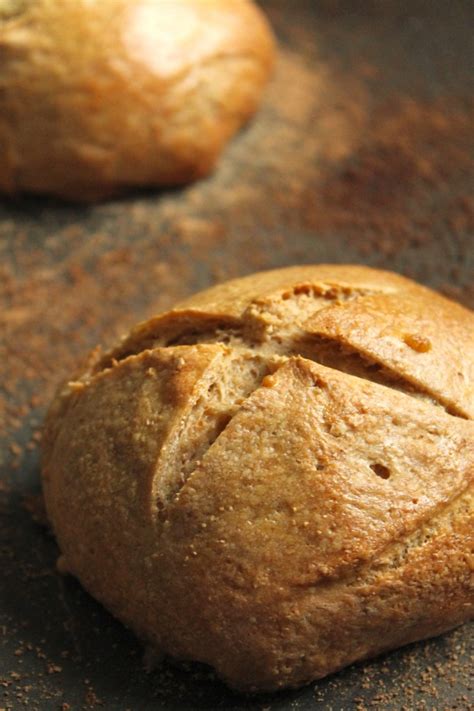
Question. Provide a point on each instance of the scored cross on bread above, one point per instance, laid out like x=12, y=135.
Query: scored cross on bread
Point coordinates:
x=275, y=477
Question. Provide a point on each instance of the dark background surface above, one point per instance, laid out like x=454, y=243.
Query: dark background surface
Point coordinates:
x=362, y=152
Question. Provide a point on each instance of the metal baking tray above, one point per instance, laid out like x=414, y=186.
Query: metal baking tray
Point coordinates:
x=362, y=152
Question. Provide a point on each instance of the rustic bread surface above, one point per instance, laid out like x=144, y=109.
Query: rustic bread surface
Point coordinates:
x=275, y=477
x=97, y=96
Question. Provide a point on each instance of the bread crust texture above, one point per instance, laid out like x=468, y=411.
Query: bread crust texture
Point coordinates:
x=100, y=96
x=275, y=478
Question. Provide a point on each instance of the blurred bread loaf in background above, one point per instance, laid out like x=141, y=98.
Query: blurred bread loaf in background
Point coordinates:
x=99, y=96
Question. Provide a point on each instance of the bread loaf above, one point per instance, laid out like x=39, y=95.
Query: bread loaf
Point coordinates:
x=97, y=96
x=275, y=477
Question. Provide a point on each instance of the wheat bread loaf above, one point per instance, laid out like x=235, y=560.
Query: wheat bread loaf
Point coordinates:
x=97, y=96
x=275, y=477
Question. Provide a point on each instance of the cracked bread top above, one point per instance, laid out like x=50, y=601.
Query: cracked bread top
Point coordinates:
x=273, y=455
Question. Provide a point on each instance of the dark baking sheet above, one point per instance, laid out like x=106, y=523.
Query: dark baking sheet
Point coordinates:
x=361, y=153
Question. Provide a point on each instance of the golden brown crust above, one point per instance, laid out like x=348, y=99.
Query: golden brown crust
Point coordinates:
x=99, y=96
x=235, y=501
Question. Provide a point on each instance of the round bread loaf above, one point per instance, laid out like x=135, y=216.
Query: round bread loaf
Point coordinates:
x=97, y=96
x=275, y=477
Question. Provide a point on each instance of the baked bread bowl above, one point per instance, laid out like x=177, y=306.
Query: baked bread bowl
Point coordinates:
x=275, y=477
x=98, y=96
